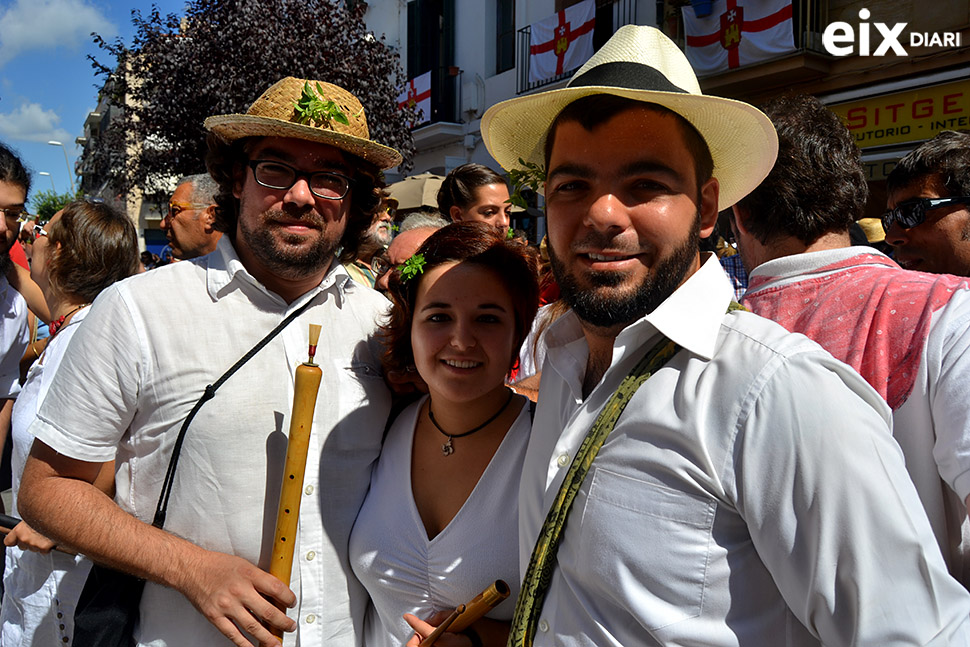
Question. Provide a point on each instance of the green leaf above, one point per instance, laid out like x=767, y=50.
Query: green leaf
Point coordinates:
x=412, y=267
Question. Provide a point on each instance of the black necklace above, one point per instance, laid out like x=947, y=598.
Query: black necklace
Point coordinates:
x=448, y=449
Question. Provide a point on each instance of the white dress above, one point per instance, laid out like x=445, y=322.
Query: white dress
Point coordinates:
x=404, y=571
x=40, y=591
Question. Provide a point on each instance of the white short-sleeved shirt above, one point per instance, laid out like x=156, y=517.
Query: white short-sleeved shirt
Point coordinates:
x=141, y=360
x=751, y=494
x=14, y=337
x=404, y=571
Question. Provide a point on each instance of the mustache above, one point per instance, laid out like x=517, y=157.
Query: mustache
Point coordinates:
x=307, y=215
x=605, y=241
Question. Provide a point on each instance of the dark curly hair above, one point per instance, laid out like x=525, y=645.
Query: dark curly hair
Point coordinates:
x=947, y=155
x=224, y=158
x=818, y=184
x=459, y=187
x=91, y=246
x=514, y=262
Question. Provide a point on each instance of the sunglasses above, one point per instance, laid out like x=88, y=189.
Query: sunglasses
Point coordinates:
x=913, y=212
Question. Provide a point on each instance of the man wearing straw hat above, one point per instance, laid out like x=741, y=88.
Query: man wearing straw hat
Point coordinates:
x=299, y=182
x=696, y=475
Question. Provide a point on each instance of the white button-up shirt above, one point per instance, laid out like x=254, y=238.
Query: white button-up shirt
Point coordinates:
x=751, y=494
x=141, y=360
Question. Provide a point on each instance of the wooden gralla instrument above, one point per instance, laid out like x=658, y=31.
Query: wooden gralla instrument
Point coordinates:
x=308, y=376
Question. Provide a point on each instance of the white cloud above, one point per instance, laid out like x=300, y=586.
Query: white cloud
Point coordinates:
x=46, y=24
x=30, y=122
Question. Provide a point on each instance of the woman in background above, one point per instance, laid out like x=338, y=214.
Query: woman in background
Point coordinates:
x=473, y=192
x=440, y=521
x=82, y=249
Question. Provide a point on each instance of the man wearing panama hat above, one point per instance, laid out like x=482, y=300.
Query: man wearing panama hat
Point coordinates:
x=299, y=183
x=696, y=474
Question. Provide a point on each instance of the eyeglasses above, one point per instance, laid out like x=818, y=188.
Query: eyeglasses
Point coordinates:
x=175, y=208
x=913, y=212
x=39, y=231
x=380, y=265
x=14, y=215
x=323, y=184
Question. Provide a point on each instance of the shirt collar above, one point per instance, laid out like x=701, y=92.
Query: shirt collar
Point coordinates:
x=795, y=264
x=224, y=268
x=690, y=317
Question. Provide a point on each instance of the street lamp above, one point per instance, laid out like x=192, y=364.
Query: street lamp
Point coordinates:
x=70, y=174
x=53, y=188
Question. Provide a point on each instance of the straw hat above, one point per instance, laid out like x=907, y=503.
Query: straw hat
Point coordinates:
x=274, y=114
x=641, y=63
x=872, y=227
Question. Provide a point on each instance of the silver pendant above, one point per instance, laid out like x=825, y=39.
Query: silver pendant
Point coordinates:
x=447, y=449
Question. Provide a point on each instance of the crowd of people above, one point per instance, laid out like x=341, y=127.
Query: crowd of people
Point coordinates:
x=644, y=461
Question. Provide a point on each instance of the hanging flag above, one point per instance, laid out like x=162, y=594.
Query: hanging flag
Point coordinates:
x=417, y=93
x=738, y=32
x=562, y=42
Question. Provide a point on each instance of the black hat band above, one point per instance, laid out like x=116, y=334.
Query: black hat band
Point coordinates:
x=625, y=74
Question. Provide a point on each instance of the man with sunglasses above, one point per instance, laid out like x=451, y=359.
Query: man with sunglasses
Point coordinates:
x=928, y=222
x=907, y=333
x=299, y=181
x=189, y=224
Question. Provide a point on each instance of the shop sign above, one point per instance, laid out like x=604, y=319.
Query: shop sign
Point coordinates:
x=910, y=116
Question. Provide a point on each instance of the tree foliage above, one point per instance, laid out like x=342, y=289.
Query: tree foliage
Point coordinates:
x=216, y=59
x=47, y=203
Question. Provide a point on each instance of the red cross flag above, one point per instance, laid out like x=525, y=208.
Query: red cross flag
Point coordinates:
x=417, y=93
x=738, y=32
x=561, y=42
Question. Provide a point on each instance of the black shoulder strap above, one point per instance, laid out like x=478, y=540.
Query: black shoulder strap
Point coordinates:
x=207, y=395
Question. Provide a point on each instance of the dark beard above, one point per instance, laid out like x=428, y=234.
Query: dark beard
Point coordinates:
x=279, y=252
x=6, y=263
x=608, y=311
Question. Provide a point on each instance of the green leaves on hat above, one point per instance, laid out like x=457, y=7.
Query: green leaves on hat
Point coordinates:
x=311, y=109
x=529, y=175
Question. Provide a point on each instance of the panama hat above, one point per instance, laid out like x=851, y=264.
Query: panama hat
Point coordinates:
x=642, y=64
x=275, y=114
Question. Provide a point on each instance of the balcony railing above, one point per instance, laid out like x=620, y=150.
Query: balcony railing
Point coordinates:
x=610, y=16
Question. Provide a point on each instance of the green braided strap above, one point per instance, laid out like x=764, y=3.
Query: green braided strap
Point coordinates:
x=543, y=560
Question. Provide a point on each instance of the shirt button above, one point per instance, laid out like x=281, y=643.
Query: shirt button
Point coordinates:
x=309, y=489
x=563, y=460
x=311, y=619
x=543, y=626
x=310, y=556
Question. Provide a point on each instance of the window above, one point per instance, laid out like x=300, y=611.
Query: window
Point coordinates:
x=505, y=35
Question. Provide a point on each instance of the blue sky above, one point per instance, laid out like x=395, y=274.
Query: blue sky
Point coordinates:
x=47, y=84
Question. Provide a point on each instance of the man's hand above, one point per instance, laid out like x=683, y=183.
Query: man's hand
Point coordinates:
x=26, y=538
x=233, y=594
